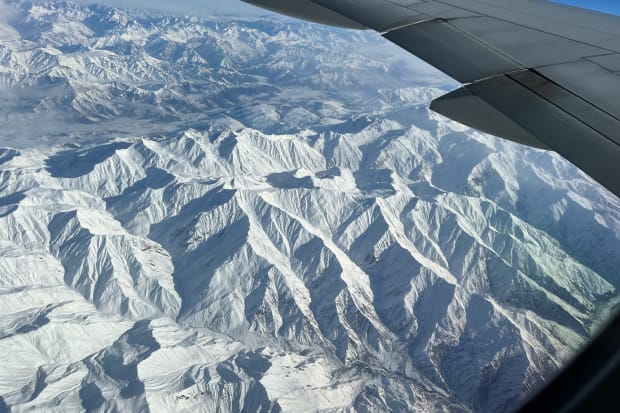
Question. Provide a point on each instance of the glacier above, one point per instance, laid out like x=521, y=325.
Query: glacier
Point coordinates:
x=201, y=214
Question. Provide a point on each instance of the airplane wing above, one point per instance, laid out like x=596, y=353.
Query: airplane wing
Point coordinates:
x=535, y=72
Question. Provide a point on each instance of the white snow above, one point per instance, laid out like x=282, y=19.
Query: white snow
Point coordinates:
x=203, y=216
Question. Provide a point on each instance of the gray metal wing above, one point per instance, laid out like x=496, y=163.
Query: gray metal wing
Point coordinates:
x=535, y=72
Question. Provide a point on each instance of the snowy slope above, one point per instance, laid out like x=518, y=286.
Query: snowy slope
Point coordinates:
x=259, y=216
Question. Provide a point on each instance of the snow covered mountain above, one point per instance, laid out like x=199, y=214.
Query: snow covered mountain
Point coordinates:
x=254, y=215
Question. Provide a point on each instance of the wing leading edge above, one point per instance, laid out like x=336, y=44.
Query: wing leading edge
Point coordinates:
x=535, y=72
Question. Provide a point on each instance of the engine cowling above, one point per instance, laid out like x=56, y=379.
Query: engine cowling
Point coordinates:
x=307, y=10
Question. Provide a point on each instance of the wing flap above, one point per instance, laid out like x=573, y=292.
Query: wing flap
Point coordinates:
x=598, y=86
x=585, y=111
x=473, y=111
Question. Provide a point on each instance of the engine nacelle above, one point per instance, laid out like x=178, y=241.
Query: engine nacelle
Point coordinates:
x=307, y=10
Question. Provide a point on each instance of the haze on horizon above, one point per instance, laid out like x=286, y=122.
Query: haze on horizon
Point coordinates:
x=186, y=7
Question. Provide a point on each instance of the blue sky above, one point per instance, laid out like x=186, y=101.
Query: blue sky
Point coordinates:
x=606, y=6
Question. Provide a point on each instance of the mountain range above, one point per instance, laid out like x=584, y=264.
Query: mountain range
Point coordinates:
x=263, y=215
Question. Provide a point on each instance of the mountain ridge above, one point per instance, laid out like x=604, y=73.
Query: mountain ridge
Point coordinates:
x=288, y=246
